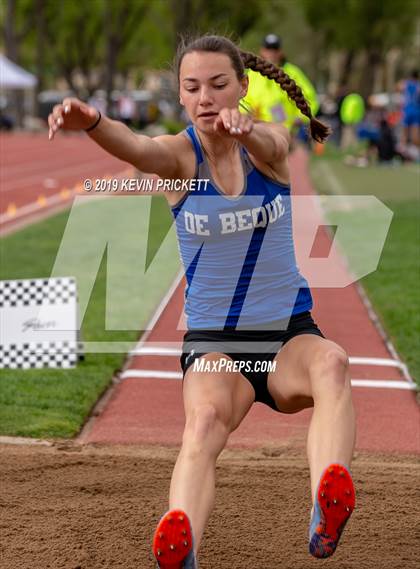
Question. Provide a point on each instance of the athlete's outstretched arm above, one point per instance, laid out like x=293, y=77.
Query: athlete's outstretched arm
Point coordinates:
x=154, y=155
x=267, y=142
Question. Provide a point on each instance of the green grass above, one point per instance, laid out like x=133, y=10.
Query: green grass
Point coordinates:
x=53, y=402
x=393, y=288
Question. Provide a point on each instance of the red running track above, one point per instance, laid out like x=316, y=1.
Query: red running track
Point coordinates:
x=147, y=410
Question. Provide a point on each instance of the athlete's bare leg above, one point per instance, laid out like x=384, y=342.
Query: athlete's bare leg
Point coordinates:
x=215, y=404
x=313, y=372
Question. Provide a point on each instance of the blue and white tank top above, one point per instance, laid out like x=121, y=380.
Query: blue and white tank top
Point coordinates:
x=238, y=251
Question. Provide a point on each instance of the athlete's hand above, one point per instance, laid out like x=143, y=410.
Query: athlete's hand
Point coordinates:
x=72, y=114
x=232, y=122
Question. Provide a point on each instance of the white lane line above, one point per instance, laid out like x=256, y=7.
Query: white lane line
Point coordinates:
x=384, y=383
x=356, y=360
x=150, y=373
x=375, y=383
x=387, y=362
x=155, y=351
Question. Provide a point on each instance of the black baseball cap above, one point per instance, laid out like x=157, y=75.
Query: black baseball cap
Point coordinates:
x=272, y=41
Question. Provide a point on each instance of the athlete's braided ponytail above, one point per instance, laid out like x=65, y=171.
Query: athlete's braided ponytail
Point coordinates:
x=319, y=131
x=240, y=60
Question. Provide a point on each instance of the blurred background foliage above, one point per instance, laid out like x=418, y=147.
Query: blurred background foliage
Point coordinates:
x=101, y=41
x=101, y=38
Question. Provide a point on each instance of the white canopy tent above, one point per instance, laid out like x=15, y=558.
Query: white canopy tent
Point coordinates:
x=14, y=77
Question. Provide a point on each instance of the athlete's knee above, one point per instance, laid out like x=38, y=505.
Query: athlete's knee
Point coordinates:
x=329, y=370
x=205, y=431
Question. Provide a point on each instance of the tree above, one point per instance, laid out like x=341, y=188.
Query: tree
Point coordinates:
x=121, y=22
x=362, y=25
x=217, y=16
x=75, y=29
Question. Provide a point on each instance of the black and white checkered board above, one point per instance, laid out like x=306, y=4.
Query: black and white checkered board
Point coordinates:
x=32, y=355
x=36, y=292
x=31, y=292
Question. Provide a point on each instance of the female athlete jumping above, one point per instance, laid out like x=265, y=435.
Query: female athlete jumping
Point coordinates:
x=246, y=301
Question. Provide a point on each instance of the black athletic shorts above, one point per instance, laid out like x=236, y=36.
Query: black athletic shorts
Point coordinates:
x=248, y=346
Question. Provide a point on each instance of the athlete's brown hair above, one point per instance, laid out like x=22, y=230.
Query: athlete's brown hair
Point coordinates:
x=241, y=60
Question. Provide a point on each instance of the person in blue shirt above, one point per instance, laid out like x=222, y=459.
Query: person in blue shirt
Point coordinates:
x=247, y=304
x=411, y=109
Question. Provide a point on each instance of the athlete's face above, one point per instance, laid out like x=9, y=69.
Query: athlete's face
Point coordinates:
x=208, y=84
